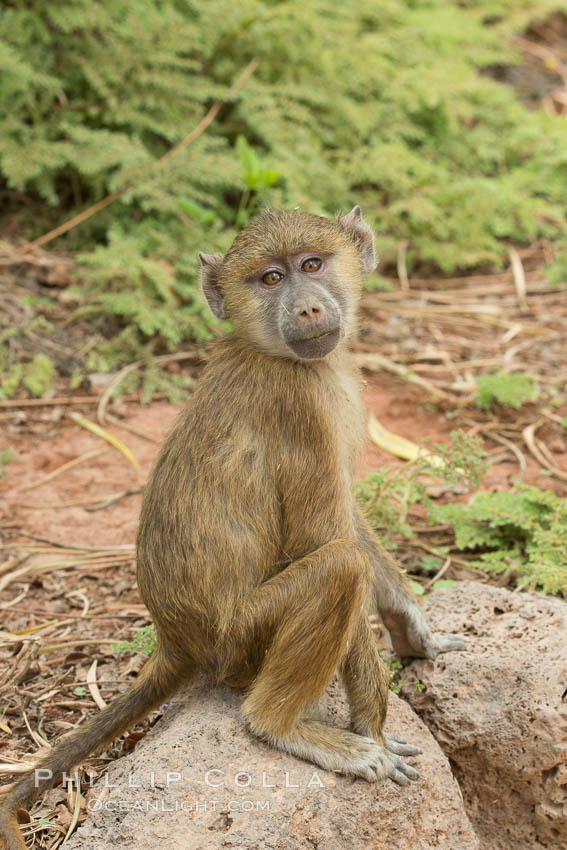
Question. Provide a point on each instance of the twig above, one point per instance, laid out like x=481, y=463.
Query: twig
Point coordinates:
x=100, y=564
x=420, y=545
x=60, y=469
x=47, y=402
x=77, y=399
x=7, y=677
x=102, y=504
x=51, y=647
x=131, y=428
x=375, y=362
x=87, y=504
x=93, y=687
x=439, y=574
x=553, y=417
x=37, y=739
x=84, y=599
x=76, y=811
x=126, y=547
x=100, y=205
x=402, y=266
x=77, y=563
x=7, y=767
x=519, y=278
x=498, y=438
x=529, y=437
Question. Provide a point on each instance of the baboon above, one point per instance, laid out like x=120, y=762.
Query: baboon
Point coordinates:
x=253, y=559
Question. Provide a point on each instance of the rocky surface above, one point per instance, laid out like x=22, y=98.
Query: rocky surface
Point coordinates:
x=228, y=790
x=499, y=711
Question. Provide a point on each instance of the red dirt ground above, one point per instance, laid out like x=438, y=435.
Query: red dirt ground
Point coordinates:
x=402, y=410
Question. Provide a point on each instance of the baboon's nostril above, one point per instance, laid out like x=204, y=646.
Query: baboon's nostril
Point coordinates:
x=309, y=312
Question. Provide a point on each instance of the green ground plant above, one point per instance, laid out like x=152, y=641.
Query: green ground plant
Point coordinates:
x=523, y=530
x=511, y=388
x=144, y=641
x=381, y=104
x=36, y=376
x=397, y=680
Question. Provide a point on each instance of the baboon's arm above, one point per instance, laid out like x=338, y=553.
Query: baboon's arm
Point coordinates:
x=409, y=632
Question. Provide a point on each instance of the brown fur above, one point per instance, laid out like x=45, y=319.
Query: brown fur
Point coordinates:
x=252, y=558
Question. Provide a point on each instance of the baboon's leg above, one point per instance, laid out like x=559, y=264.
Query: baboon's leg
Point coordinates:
x=366, y=680
x=314, y=606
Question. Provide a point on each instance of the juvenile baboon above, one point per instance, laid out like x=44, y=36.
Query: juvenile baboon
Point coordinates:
x=253, y=559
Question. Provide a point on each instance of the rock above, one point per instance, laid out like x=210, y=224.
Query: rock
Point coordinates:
x=499, y=711
x=229, y=790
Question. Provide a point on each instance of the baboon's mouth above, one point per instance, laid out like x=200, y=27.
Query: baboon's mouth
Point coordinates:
x=316, y=345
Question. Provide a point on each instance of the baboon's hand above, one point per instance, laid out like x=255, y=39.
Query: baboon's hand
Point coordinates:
x=428, y=645
x=431, y=645
x=411, y=636
x=449, y=643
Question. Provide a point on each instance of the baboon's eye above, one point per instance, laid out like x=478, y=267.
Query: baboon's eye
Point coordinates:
x=273, y=277
x=312, y=264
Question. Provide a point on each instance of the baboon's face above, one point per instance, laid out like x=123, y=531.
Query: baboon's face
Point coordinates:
x=301, y=303
x=291, y=282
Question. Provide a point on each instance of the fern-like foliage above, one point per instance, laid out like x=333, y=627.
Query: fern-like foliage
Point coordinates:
x=524, y=529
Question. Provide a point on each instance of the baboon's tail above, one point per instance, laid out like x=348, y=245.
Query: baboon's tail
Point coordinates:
x=157, y=679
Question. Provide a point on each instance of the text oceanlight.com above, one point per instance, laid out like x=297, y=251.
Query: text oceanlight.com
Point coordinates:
x=194, y=806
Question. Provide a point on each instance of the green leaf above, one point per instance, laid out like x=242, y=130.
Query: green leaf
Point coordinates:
x=196, y=211
x=250, y=162
x=441, y=583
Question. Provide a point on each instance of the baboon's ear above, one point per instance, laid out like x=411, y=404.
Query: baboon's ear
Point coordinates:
x=210, y=267
x=362, y=235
